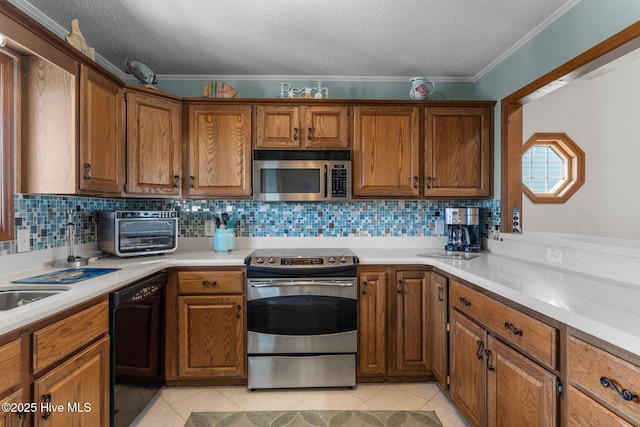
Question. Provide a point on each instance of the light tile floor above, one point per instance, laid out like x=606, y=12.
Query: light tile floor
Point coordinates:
x=172, y=405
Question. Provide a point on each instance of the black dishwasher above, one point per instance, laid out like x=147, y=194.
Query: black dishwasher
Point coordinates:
x=137, y=325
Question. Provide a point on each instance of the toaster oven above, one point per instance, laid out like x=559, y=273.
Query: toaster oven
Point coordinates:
x=131, y=233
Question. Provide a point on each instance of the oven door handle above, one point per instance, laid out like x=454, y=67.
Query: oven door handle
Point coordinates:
x=300, y=283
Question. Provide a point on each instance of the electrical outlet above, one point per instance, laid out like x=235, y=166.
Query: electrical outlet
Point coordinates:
x=439, y=227
x=23, y=241
x=554, y=255
x=209, y=227
x=229, y=208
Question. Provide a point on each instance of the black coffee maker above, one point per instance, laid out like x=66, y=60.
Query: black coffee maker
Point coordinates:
x=463, y=229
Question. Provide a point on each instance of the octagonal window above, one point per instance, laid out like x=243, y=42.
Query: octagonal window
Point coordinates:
x=552, y=167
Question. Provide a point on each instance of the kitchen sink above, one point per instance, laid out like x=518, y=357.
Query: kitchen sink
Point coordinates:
x=449, y=255
x=15, y=298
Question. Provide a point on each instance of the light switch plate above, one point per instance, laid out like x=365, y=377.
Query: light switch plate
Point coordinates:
x=23, y=241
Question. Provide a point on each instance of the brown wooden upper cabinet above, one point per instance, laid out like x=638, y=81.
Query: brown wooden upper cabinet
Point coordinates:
x=386, y=151
x=219, y=148
x=290, y=126
x=154, y=145
x=458, y=149
x=101, y=138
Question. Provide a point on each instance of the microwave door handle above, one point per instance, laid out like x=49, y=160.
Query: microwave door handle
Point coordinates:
x=326, y=173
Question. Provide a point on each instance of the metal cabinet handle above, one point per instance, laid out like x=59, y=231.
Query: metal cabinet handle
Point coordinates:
x=295, y=134
x=238, y=308
x=192, y=180
x=310, y=133
x=399, y=286
x=210, y=284
x=87, y=171
x=480, y=345
x=416, y=182
x=364, y=288
x=516, y=331
x=489, y=356
x=440, y=290
x=465, y=301
x=624, y=393
x=46, y=398
x=429, y=179
x=176, y=180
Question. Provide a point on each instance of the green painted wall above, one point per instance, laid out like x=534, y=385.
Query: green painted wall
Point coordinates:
x=337, y=89
x=583, y=26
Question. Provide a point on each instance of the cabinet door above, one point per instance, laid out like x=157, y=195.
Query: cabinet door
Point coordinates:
x=278, y=126
x=14, y=418
x=520, y=392
x=410, y=324
x=468, y=368
x=101, y=138
x=219, y=151
x=211, y=336
x=325, y=127
x=154, y=145
x=386, y=152
x=458, y=151
x=438, y=289
x=372, y=323
x=76, y=391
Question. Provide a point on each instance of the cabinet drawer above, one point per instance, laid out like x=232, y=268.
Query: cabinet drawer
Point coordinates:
x=584, y=411
x=530, y=335
x=10, y=365
x=588, y=364
x=56, y=341
x=210, y=282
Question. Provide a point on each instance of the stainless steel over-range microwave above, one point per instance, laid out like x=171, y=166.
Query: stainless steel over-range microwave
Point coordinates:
x=302, y=175
x=130, y=233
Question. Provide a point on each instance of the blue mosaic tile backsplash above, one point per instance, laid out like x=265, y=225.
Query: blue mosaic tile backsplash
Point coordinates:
x=44, y=216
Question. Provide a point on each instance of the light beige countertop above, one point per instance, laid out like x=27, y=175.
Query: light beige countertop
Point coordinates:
x=606, y=309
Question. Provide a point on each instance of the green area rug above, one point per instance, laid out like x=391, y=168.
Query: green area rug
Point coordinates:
x=314, y=418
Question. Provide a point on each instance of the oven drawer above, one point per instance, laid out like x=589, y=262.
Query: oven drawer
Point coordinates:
x=332, y=370
x=344, y=342
x=210, y=282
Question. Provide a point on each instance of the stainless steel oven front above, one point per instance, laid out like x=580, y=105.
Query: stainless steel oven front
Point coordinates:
x=302, y=331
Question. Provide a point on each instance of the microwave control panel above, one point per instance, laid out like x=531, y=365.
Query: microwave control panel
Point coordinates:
x=339, y=181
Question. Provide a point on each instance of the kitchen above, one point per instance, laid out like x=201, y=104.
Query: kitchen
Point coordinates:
x=383, y=219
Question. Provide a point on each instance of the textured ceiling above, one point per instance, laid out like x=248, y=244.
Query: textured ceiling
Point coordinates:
x=377, y=39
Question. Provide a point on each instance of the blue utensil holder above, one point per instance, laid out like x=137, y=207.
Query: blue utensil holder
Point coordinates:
x=224, y=240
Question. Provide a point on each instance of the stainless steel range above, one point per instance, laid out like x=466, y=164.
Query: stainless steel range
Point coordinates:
x=301, y=318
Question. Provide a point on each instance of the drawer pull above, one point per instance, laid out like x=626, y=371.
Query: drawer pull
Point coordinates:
x=440, y=290
x=207, y=283
x=516, y=331
x=399, y=286
x=480, y=345
x=238, y=308
x=489, y=355
x=624, y=393
x=364, y=288
x=465, y=301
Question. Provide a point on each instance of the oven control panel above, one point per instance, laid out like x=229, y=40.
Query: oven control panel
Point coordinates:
x=301, y=262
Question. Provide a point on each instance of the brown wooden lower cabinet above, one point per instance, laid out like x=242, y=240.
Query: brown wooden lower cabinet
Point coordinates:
x=584, y=411
x=77, y=391
x=438, y=318
x=394, y=327
x=13, y=418
x=211, y=331
x=495, y=385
